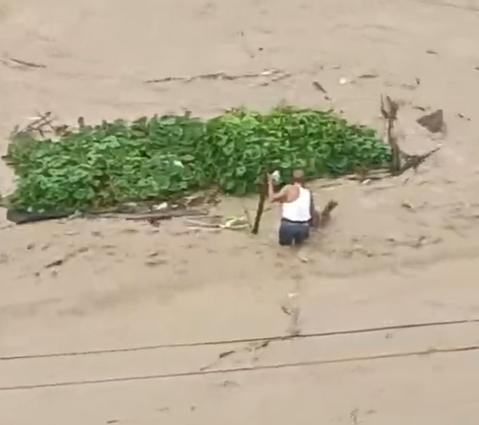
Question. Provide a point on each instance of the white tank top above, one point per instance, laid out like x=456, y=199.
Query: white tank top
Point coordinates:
x=300, y=209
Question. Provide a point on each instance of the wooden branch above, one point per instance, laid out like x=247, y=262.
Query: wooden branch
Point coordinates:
x=273, y=73
x=43, y=124
x=162, y=215
x=389, y=110
x=413, y=161
x=375, y=174
x=395, y=150
x=262, y=199
x=325, y=215
x=39, y=122
x=317, y=85
x=22, y=63
x=27, y=63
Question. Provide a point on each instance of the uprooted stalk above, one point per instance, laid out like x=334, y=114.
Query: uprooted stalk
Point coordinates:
x=400, y=161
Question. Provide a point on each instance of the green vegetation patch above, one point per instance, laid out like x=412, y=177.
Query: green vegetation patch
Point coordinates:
x=160, y=158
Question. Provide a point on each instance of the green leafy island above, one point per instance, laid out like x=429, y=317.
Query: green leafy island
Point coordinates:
x=160, y=158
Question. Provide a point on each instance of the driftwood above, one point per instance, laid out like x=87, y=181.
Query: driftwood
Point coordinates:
x=401, y=161
x=23, y=217
x=389, y=110
x=276, y=79
x=317, y=85
x=276, y=75
x=434, y=122
x=27, y=63
x=42, y=124
x=364, y=175
x=325, y=214
x=68, y=256
x=37, y=125
x=10, y=61
x=413, y=161
x=155, y=218
x=163, y=215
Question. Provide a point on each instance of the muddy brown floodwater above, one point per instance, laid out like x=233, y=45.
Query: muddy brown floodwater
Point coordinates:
x=144, y=325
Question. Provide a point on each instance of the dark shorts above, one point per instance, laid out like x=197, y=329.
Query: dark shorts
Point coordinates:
x=291, y=233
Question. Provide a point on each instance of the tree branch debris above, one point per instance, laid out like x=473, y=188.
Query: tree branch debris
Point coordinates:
x=273, y=75
x=14, y=62
x=401, y=161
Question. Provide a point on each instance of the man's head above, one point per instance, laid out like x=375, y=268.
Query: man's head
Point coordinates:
x=298, y=177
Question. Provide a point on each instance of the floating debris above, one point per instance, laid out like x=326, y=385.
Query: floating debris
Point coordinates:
x=434, y=122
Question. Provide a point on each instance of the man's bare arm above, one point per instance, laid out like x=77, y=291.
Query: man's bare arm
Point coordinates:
x=278, y=196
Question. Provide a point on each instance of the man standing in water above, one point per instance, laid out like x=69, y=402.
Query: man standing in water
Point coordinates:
x=297, y=210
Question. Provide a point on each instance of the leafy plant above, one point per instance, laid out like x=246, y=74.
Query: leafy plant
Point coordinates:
x=159, y=158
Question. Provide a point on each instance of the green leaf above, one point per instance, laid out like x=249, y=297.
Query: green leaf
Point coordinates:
x=240, y=171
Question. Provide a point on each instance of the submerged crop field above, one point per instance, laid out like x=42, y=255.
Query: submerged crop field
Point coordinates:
x=163, y=157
